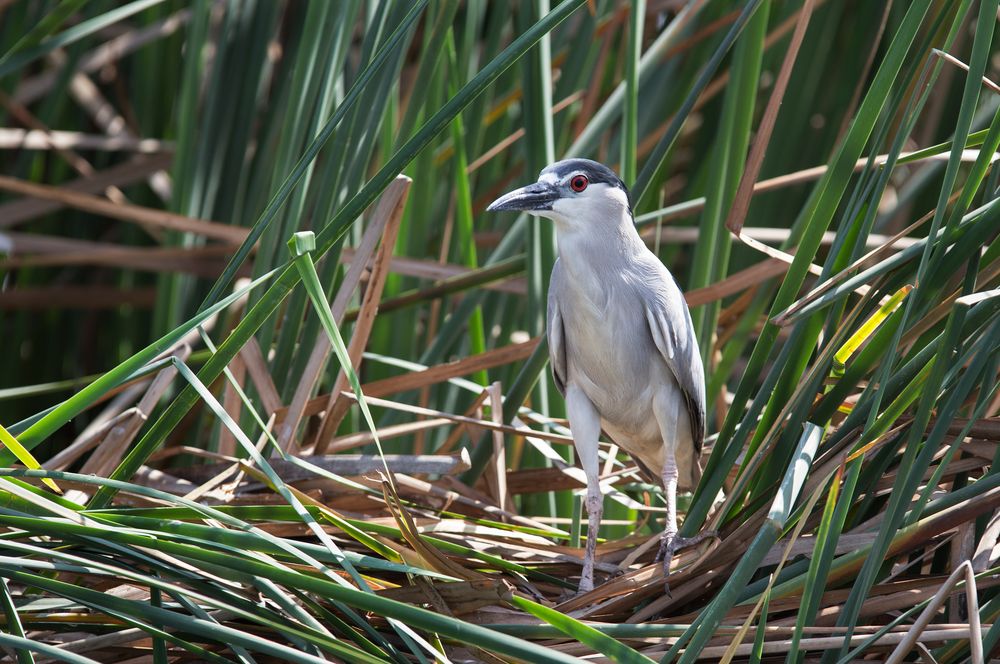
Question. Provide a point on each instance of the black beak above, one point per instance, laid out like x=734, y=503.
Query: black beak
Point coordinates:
x=538, y=196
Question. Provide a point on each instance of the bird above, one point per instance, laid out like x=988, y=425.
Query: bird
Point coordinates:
x=622, y=346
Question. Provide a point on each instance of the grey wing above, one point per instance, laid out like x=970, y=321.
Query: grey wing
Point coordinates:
x=555, y=333
x=673, y=333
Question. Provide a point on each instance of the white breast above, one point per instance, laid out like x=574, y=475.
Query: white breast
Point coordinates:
x=609, y=351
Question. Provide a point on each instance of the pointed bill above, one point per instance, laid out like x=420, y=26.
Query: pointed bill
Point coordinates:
x=534, y=197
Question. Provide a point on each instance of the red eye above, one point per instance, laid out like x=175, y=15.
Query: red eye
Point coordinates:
x=579, y=182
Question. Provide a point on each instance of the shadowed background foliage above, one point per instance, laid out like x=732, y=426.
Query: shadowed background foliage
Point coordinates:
x=816, y=174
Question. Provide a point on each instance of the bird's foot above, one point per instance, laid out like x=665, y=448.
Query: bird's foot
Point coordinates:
x=586, y=585
x=670, y=544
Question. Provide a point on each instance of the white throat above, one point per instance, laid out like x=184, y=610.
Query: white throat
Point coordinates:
x=598, y=233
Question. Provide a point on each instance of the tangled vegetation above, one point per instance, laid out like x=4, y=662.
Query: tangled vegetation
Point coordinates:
x=274, y=386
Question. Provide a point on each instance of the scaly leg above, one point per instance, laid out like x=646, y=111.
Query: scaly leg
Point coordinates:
x=585, y=423
x=670, y=543
x=669, y=411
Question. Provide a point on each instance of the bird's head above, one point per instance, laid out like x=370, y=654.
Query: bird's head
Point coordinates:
x=575, y=193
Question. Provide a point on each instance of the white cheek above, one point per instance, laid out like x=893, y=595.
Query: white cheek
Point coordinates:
x=565, y=209
x=619, y=196
x=576, y=208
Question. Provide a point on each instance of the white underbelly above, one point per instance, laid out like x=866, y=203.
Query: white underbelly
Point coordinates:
x=610, y=352
x=623, y=374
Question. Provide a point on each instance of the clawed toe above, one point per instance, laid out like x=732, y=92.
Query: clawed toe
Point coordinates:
x=670, y=543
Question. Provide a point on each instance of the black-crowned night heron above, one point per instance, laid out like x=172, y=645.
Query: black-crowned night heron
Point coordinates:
x=621, y=342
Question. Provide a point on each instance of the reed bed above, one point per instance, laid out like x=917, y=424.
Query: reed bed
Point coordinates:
x=274, y=385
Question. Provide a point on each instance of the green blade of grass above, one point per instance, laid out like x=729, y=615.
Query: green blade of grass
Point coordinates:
x=43, y=428
x=912, y=467
x=16, y=58
x=327, y=238
x=695, y=638
x=14, y=626
x=818, y=214
x=651, y=173
x=615, y=650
